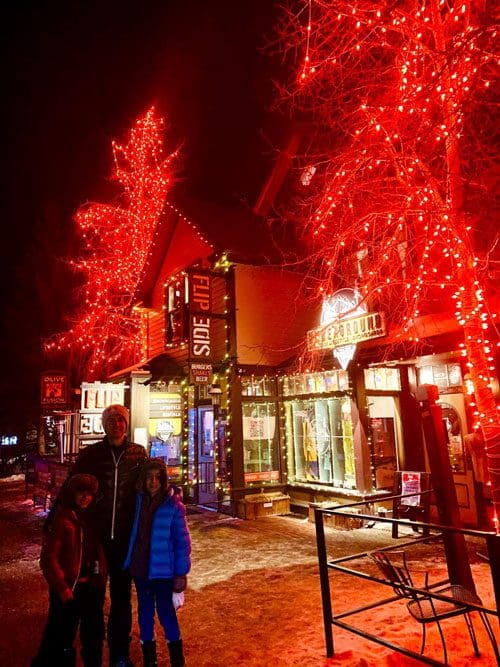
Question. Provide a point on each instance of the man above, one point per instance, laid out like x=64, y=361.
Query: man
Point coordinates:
x=116, y=463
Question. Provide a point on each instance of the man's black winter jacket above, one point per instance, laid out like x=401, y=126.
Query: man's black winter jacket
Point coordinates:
x=117, y=470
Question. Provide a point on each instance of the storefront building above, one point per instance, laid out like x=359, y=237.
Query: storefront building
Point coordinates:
x=212, y=322
x=223, y=394
x=329, y=436
x=349, y=433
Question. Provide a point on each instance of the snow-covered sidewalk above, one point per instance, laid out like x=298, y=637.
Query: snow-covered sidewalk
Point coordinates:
x=253, y=598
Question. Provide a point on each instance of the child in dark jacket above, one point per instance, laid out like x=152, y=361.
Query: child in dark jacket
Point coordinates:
x=159, y=558
x=74, y=565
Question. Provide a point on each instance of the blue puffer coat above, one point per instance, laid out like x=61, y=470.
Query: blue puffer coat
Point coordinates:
x=170, y=544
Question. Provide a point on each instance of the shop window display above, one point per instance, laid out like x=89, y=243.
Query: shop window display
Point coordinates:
x=51, y=437
x=260, y=442
x=320, y=441
x=315, y=383
x=382, y=378
x=206, y=431
x=384, y=451
x=257, y=386
x=164, y=429
x=444, y=376
x=449, y=380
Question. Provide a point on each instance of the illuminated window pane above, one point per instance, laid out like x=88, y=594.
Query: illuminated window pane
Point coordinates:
x=382, y=378
x=444, y=376
x=315, y=383
x=260, y=443
x=257, y=386
x=320, y=442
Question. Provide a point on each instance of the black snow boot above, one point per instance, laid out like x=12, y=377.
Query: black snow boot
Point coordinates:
x=176, y=654
x=149, y=653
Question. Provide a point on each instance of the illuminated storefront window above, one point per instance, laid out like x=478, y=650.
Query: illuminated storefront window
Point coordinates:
x=315, y=383
x=444, y=376
x=319, y=436
x=448, y=378
x=165, y=426
x=257, y=386
x=381, y=378
x=260, y=442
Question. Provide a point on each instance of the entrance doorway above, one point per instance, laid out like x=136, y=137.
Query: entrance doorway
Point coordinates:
x=207, y=492
x=385, y=426
x=455, y=421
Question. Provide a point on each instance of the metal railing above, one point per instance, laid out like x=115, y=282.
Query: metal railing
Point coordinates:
x=432, y=532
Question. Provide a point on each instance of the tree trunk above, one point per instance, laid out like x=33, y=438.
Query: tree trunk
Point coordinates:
x=469, y=311
x=479, y=363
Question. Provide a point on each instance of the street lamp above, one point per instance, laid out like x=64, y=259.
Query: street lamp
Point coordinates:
x=215, y=393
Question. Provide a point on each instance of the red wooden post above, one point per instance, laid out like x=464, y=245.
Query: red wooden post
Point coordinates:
x=457, y=557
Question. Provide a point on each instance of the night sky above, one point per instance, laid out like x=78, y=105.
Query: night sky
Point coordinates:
x=76, y=75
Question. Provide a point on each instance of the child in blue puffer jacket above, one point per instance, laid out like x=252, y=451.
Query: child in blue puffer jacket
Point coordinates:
x=158, y=558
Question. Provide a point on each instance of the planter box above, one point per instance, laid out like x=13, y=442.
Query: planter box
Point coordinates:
x=259, y=505
x=348, y=521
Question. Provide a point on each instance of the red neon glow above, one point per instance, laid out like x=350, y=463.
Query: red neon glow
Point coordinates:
x=403, y=113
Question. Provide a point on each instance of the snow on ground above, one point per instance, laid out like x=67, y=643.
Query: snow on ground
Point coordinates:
x=253, y=598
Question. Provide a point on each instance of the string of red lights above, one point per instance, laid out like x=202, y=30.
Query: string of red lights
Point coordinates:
x=117, y=240
x=395, y=93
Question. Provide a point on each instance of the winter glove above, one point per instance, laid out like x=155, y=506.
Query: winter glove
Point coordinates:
x=179, y=584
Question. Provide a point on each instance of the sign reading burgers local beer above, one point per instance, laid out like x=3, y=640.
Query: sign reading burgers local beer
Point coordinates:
x=200, y=373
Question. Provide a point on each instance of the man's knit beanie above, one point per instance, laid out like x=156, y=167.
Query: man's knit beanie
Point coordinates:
x=115, y=409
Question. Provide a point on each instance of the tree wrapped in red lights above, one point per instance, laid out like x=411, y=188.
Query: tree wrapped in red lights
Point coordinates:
x=118, y=238
x=400, y=96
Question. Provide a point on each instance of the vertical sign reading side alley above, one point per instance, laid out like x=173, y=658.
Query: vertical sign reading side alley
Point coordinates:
x=200, y=339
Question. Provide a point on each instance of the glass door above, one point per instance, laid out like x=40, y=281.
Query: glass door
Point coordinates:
x=207, y=492
x=384, y=418
x=455, y=421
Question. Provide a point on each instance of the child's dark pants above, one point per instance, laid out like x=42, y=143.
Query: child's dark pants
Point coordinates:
x=86, y=610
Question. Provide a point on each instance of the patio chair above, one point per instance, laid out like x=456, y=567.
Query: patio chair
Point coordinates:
x=424, y=607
